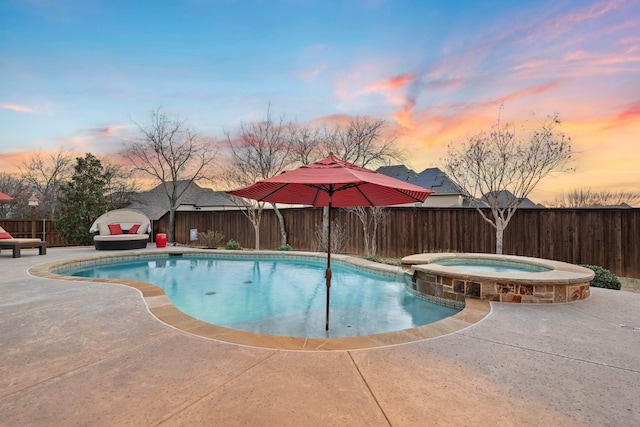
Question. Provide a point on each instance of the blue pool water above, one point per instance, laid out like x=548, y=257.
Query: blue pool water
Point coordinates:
x=278, y=296
x=489, y=265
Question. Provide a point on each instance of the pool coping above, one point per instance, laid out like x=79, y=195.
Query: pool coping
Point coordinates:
x=163, y=309
x=560, y=272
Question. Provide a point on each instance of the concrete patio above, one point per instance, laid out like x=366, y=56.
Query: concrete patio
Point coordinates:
x=86, y=353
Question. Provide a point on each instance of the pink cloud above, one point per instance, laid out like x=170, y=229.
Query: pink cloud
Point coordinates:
x=629, y=115
x=631, y=112
x=565, y=23
x=445, y=83
x=107, y=131
x=577, y=55
x=395, y=82
x=17, y=107
x=403, y=116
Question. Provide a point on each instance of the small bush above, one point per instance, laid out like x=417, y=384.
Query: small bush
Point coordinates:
x=211, y=239
x=371, y=258
x=284, y=247
x=233, y=245
x=603, y=278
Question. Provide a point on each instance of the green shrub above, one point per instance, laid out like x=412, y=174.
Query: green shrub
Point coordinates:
x=211, y=239
x=603, y=278
x=284, y=247
x=371, y=258
x=233, y=245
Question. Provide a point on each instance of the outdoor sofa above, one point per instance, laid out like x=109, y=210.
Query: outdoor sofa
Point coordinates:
x=16, y=245
x=121, y=229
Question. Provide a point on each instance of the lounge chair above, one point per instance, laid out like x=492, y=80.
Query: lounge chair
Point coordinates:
x=121, y=229
x=16, y=245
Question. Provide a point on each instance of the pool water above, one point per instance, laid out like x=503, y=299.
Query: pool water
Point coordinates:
x=279, y=296
x=488, y=265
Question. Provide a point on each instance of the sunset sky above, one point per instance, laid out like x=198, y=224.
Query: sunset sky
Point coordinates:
x=75, y=74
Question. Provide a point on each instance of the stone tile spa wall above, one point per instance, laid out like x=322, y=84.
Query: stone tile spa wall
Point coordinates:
x=432, y=277
x=456, y=289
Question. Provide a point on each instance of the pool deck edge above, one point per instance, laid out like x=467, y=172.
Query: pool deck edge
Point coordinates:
x=163, y=309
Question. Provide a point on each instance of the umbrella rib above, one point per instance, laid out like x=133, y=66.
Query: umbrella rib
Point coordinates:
x=364, y=195
x=273, y=192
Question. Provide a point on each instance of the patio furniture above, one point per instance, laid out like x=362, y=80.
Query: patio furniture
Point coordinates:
x=121, y=229
x=16, y=245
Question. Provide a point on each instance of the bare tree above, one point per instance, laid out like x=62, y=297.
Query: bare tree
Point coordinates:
x=121, y=183
x=339, y=238
x=16, y=187
x=305, y=143
x=169, y=152
x=587, y=198
x=366, y=143
x=45, y=173
x=371, y=218
x=502, y=167
x=260, y=150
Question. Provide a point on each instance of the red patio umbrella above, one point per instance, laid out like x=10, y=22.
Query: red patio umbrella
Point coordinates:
x=333, y=182
x=5, y=197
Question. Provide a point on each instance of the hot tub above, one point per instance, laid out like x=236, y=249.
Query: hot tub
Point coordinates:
x=443, y=277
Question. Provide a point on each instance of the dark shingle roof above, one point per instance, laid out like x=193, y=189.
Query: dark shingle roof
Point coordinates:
x=438, y=181
x=400, y=172
x=505, y=197
x=155, y=203
x=432, y=178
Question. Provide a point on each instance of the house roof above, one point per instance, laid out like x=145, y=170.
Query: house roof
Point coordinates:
x=438, y=181
x=155, y=203
x=400, y=172
x=505, y=197
x=432, y=178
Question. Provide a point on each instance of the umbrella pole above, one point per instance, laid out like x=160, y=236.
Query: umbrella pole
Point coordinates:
x=327, y=274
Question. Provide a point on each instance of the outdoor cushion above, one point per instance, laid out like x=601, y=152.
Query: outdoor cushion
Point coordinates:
x=103, y=229
x=133, y=229
x=115, y=229
x=126, y=225
x=4, y=234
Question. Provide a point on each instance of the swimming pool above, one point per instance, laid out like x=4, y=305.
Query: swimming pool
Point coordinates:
x=276, y=296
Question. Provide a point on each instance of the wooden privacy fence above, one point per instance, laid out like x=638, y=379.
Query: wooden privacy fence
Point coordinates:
x=43, y=229
x=606, y=237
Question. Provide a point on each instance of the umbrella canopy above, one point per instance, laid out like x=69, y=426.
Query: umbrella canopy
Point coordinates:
x=333, y=182
x=5, y=197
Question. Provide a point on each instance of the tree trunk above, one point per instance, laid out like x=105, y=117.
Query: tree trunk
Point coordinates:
x=500, y=226
x=172, y=226
x=283, y=230
x=365, y=235
x=256, y=228
x=374, y=236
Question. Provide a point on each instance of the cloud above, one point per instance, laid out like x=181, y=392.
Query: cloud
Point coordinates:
x=106, y=132
x=629, y=115
x=631, y=112
x=554, y=24
x=17, y=108
x=392, y=83
x=403, y=116
x=312, y=62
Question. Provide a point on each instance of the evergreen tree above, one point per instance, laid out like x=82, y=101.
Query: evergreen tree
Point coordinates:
x=83, y=199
